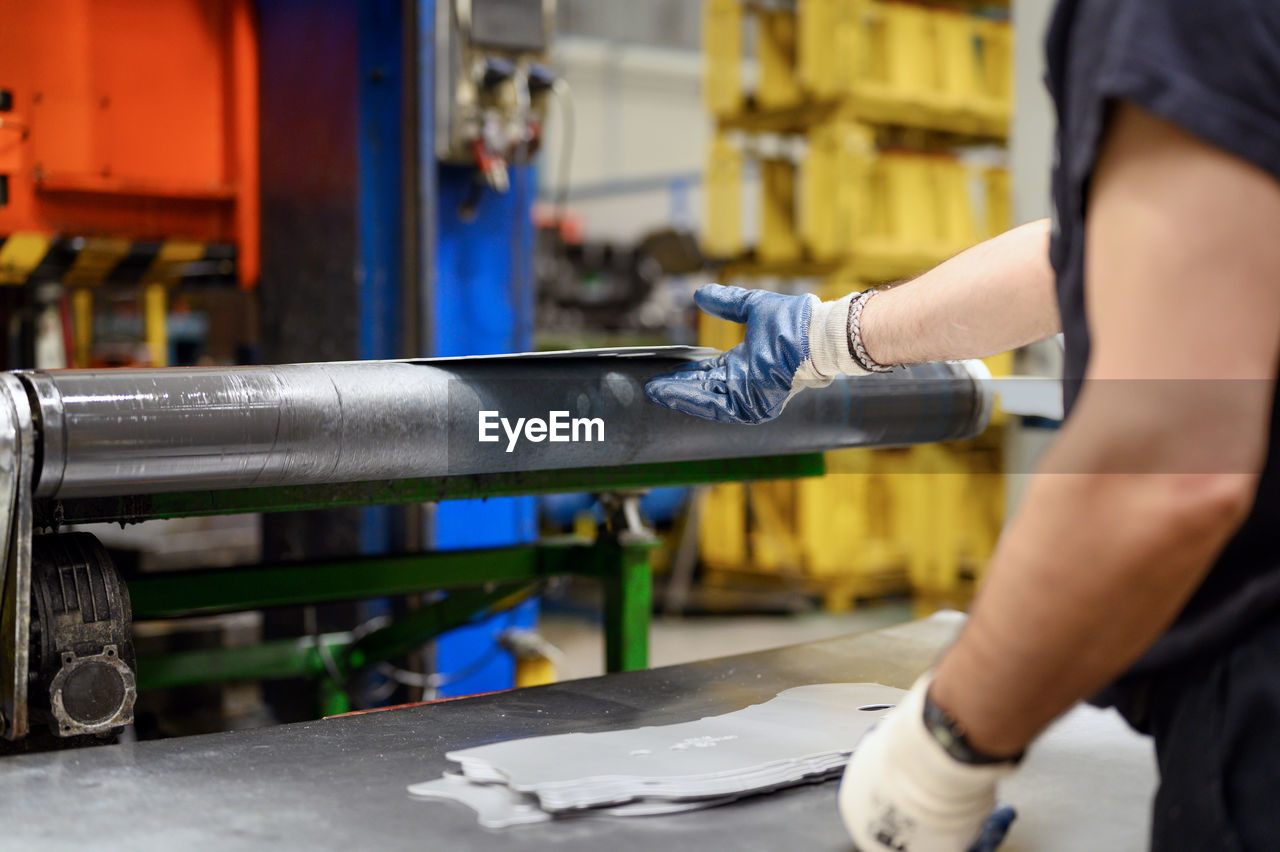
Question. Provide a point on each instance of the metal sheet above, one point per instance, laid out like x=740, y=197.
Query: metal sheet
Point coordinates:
x=498, y=806
x=148, y=431
x=495, y=805
x=691, y=353
x=801, y=732
x=340, y=783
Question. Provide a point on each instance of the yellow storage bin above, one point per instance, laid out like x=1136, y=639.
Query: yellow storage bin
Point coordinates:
x=958, y=64
x=880, y=214
x=776, y=54
x=835, y=188
x=933, y=68
x=722, y=230
x=995, y=46
x=999, y=200
x=850, y=520
x=722, y=527
x=920, y=204
x=901, y=50
x=722, y=56
x=957, y=225
x=958, y=514
x=771, y=512
x=779, y=236
x=918, y=65
x=829, y=46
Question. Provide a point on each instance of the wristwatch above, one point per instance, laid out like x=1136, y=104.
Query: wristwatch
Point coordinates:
x=950, y=734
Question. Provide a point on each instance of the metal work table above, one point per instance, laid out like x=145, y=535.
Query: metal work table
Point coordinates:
x=340, y=783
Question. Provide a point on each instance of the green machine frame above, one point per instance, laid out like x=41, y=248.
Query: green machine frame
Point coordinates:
x=477, y=582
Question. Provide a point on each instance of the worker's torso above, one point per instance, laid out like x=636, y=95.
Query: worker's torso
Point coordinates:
x=1213, y=68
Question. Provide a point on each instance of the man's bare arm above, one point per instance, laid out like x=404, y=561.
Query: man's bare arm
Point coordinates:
x=1183, y=248
x=988, y=299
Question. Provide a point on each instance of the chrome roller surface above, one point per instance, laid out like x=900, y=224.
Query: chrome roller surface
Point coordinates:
x=119, y=432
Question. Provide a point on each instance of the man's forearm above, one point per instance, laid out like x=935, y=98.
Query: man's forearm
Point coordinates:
x=1092, y=569
x=991, y=298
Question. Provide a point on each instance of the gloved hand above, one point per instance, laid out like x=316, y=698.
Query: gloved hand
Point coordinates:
x=902, y=792
x=792, y=342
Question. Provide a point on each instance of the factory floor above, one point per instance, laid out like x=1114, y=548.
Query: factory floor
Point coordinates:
x=685, y=639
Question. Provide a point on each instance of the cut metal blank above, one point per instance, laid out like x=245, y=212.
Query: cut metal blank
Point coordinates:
x=803, y=734
x=496, y=806
x=804, y=731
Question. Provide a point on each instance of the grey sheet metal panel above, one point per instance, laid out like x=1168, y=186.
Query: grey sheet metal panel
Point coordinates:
x=802, y=732
x=117, y=432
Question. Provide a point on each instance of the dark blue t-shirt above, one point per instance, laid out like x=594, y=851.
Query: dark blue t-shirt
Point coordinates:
x=1212, y=67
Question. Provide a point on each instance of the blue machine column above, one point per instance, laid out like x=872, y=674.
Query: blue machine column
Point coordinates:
x=482, y=303
x=333, y=249
x=475, y=297
x=367, y=255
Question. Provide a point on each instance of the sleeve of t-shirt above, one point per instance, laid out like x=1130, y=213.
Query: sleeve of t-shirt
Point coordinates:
x=1212, y=67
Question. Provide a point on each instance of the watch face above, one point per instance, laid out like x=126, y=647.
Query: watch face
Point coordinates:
x=947, y=739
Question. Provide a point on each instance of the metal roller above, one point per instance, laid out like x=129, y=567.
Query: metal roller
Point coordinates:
x=119, y=432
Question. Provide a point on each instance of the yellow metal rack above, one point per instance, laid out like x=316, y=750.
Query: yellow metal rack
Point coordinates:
x=855, y=124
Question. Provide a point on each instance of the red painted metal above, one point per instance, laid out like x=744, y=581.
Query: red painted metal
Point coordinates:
x=132, y=118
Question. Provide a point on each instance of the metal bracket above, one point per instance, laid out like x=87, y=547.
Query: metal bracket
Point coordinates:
x=622, y=510
x=66, y=723
x=17, y=469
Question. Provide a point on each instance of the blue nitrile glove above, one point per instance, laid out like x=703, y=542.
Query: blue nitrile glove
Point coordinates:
x=994, y=829
x=792, y=342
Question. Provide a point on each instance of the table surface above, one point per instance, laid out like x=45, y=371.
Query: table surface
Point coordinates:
x=340, y=783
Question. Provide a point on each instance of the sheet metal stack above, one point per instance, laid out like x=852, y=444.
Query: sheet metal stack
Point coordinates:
x=804, y=734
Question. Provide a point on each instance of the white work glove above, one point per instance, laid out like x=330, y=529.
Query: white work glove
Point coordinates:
x=902, y=792
x=828, y=344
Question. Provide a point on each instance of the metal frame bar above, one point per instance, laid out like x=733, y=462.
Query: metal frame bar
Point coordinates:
x=182, y=593
x=265, y=661
x=306, y=655
x=17, y=463
x=620, y=561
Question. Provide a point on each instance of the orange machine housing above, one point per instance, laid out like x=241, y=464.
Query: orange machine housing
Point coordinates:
x=134, y=119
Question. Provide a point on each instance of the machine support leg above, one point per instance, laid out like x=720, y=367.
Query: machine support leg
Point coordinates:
x=627, y=580
x=628, y=596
